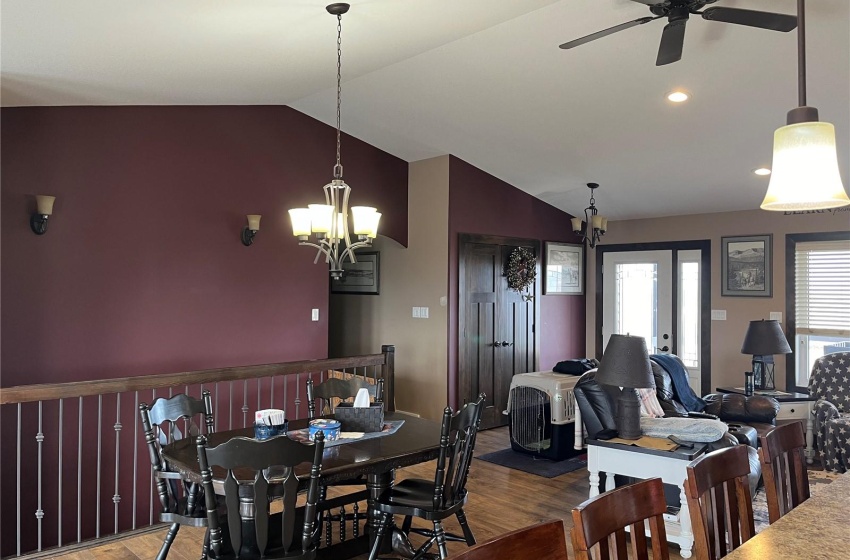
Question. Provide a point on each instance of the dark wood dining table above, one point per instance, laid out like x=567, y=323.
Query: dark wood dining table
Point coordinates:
x=416, y=441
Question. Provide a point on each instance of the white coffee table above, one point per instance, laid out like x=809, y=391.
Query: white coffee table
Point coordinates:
x=637, y=462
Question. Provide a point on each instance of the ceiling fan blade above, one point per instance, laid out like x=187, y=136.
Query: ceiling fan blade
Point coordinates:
x=672, y=42
x=605, y=32
x=751, y=18
x=652, y=2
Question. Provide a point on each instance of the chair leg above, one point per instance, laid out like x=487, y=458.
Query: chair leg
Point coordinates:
x=405, y=525
x=169, y=538
x=205, y=551
x=464, y=526
x=382, y=529
x=440, y=535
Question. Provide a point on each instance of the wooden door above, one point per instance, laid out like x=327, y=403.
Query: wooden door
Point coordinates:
x=496, y=325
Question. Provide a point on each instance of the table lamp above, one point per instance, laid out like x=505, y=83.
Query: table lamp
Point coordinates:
x=763, y=340
x=625, y=364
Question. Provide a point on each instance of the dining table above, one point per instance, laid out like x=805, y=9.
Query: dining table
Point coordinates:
x=817, y=528
x=415, y=441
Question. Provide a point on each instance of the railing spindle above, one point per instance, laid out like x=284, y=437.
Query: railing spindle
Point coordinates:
x=19, y=479
x=39, y=438
x=116, y=497
x=60, y=438
x=135, y=458
x=245, y=403
x=80, y=471
x=99, y=447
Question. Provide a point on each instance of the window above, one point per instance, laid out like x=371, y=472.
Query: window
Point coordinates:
x=821, y=302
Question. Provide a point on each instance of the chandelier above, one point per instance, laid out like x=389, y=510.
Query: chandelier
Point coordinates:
x=805, y=163
x=593, y=226
x=329, y=221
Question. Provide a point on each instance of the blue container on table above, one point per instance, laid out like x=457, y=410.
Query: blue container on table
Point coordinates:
x=328, y=426
x=265, y=431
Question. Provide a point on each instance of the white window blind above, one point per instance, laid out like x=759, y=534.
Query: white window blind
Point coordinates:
x=823, y=288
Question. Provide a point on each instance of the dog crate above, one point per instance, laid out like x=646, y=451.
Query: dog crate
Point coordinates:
x=543, y=417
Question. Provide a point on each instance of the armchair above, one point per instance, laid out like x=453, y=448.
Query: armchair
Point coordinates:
x=830, y=383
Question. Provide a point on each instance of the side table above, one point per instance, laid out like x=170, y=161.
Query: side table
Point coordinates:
x=638, y=462
x=792, y=407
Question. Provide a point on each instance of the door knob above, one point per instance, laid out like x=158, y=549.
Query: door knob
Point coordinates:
x=663, y=349
x=506, y=343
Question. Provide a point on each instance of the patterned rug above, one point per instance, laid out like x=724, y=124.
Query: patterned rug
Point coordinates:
x=817, y=480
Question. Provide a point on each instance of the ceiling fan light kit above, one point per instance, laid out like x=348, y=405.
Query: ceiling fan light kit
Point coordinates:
x=678, y=12
x=805, y=172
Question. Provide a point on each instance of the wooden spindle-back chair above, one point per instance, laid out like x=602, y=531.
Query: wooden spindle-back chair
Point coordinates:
x=783, y=466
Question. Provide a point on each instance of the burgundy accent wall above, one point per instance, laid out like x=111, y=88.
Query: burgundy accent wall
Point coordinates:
x=142, y=270
x=480, y=203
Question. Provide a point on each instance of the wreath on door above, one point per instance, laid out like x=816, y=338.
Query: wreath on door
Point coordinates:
x=521, y=269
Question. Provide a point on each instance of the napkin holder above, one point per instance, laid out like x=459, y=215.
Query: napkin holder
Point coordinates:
x=360, y=419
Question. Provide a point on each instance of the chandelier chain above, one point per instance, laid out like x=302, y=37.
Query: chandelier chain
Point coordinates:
x=338, y=167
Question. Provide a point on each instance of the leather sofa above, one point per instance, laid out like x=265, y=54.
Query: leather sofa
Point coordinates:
x=739, y=412
x=597, y=404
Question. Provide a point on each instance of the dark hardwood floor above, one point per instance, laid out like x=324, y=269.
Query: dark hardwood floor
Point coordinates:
x=501, y=500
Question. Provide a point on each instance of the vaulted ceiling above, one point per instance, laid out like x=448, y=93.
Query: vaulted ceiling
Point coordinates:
x=483, y=80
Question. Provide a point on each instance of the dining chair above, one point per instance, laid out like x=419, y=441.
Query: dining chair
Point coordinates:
x=339, y=388
x=331, y=391
x=719, y=500
x=256, y=472
x=605, y=517
x=544, y=541
x=440, y=498
x=170, y=417
x=783, y=466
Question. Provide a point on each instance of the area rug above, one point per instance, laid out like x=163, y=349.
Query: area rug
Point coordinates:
x=817, y=479
x=535, y=465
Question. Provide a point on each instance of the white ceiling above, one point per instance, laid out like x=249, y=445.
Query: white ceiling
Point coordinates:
x=483, y=80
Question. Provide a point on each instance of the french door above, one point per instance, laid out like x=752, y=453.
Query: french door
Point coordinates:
x=659, y=295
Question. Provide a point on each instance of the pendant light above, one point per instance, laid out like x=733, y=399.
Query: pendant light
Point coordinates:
x=329, y=221
x=805, y=163
x=593, y=226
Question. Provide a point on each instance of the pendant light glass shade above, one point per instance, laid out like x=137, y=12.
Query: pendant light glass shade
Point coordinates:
x=805, y=169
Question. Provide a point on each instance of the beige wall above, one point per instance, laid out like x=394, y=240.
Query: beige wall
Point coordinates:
x=412, y=277
x=728, y=364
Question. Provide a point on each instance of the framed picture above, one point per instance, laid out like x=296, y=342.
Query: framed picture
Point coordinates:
x=564, y=269
x=746, y=266
x=362, y=277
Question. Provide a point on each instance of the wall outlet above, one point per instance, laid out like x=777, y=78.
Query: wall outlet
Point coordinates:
x=776, y=316
x=443, y=301
x=718, y=314
x=315, y=315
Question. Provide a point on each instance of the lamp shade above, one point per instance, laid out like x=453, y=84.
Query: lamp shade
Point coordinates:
x=805, y=169
x=625, y=363
x=765, y=338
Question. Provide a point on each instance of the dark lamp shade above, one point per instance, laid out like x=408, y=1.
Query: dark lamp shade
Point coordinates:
x=625, y=363
x=765, y=338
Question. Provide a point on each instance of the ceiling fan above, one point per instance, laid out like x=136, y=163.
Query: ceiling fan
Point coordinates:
x=677, y=13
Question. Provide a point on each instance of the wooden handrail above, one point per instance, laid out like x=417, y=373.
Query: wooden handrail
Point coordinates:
x=50, y=391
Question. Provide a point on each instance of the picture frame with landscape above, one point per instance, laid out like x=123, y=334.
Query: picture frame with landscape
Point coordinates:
x=564, y=269
x=746, y=266
x=362, y=277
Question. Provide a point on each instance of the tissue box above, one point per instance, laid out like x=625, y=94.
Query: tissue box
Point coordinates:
x=360, y=419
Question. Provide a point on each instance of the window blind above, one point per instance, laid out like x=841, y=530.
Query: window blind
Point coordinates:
x=823, y=288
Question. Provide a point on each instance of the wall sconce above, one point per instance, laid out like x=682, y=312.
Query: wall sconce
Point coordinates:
x=249, y=231
x=44, y=205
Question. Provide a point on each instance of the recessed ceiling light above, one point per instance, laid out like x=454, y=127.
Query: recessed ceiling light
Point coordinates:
x=762, y=171
x=678, y=96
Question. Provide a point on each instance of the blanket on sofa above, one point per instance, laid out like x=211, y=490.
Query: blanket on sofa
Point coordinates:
x=688, y=429
x=679, y=377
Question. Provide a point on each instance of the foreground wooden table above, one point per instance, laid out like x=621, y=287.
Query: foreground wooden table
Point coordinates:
x=817, y=528
x=416, y=441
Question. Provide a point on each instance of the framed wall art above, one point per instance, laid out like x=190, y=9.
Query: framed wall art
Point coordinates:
x=362, y=277
x=564, y=269
x=746, y=266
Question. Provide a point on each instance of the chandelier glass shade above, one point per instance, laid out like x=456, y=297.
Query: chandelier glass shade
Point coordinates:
x=593, y=226
x=329, y=222
x=805, y=172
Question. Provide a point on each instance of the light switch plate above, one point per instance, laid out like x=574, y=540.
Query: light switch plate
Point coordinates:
x=315, y=314
x=423, y=312
x=416, y=312
x=776, y=316
x=718, y=314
